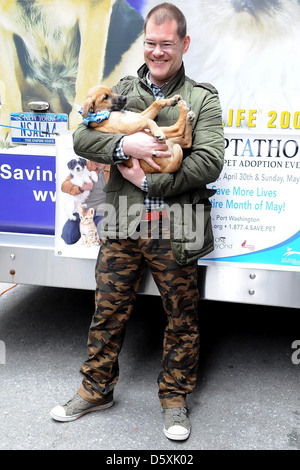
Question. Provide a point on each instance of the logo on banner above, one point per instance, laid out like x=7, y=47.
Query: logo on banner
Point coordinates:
x=247, y=246
x=291, y=257
x=222, y=244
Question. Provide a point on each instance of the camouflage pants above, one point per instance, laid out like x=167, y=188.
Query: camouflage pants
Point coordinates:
x=119, y=271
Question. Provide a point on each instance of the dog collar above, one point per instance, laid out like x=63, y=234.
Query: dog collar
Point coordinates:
x=99, y=116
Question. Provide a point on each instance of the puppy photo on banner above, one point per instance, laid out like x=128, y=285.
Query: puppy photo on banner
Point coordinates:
x=247, y=49
x=54, y=50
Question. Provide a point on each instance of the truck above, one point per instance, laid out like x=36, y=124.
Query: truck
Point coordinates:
x=255, y=214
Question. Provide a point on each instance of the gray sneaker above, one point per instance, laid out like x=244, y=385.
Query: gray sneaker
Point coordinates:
x=177, y=425
x=78, y=407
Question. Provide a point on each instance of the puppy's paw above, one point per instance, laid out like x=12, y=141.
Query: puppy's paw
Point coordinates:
x=183, y=104
x=176, y=99
x=160, y=136
x=94, y=176
x=191, y=116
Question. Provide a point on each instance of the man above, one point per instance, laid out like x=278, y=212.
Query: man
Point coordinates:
x=124, y=256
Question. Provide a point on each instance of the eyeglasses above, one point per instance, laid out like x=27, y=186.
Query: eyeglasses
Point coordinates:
x=166, y=46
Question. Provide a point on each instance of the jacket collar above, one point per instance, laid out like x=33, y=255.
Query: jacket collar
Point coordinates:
x=170, y=87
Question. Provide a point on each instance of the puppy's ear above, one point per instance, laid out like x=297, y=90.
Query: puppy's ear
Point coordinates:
x=70, y=164
x=82, y=161
x=88, y=107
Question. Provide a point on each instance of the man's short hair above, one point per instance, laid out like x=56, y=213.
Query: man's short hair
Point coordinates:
x=165, y=12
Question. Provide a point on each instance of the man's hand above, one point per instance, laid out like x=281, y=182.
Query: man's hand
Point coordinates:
x=135, y=174
x=141, y=146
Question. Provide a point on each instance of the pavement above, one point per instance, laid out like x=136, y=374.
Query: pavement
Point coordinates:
x=247, y=396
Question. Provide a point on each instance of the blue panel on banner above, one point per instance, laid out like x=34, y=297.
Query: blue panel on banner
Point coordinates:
x=27, y=194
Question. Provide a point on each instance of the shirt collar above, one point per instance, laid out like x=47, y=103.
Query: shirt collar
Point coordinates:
x=157, y=90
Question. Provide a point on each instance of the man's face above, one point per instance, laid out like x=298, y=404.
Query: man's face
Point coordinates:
x=163, y=50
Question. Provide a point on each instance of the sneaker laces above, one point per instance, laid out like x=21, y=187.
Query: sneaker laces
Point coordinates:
x=75, y=399
x=177, y=414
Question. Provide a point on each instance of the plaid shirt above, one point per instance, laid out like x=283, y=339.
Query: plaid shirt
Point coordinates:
x=154, y=202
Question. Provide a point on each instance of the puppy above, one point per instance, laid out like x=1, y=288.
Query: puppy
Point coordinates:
x=79, y=175
x=101, y=100
x=246, y=49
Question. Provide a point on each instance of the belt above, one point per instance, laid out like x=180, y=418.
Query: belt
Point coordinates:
x=155, y=215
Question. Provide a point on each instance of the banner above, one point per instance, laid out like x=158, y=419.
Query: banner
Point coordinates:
x=247, y=50
x=255, y=211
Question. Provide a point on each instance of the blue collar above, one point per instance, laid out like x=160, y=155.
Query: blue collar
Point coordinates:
x=99, y=116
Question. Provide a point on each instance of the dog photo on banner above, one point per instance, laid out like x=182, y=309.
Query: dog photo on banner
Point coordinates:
x=55, y=50
x=248, y=50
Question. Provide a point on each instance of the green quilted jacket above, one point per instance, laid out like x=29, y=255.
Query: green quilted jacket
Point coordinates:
x=184, y=192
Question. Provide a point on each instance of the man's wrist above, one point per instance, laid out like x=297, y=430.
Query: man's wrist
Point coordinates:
x=119, y=154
